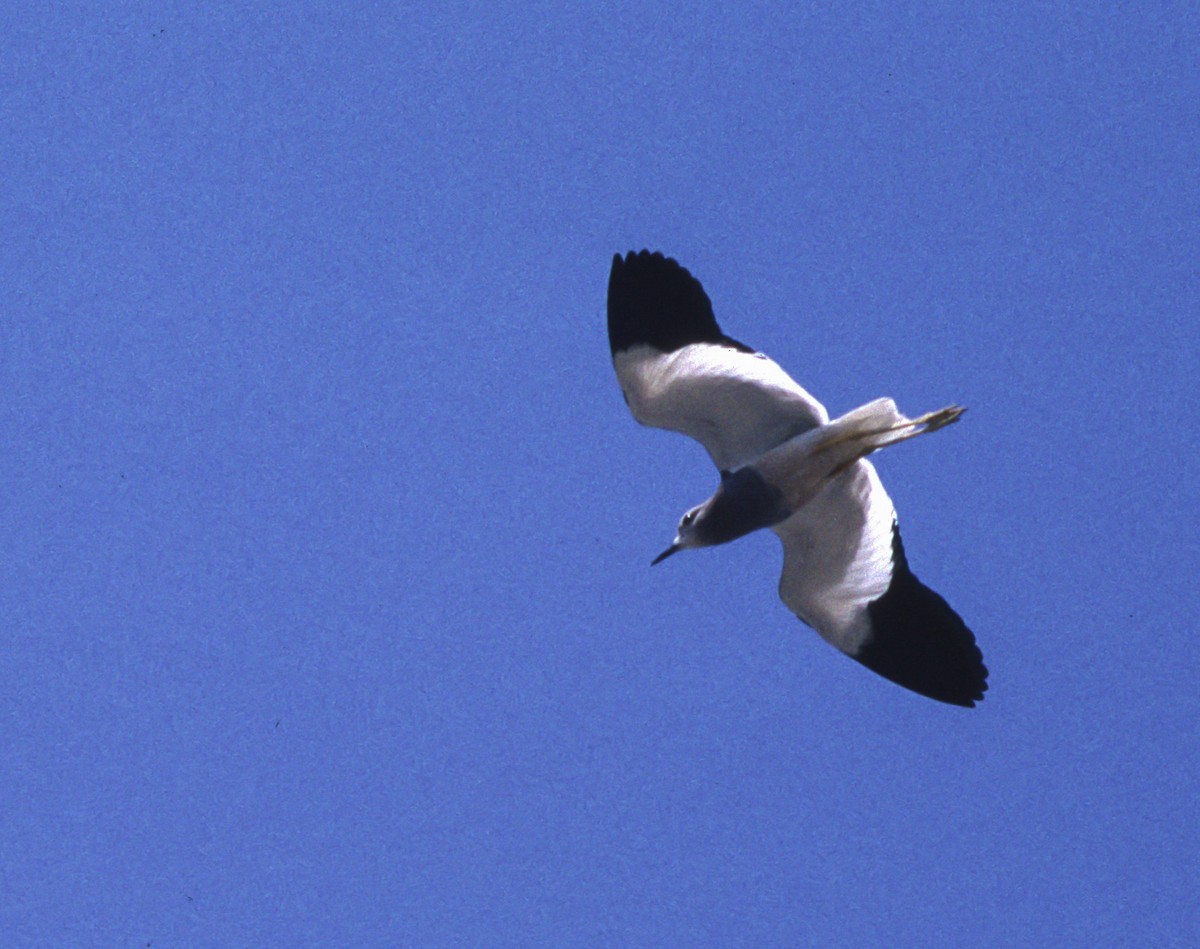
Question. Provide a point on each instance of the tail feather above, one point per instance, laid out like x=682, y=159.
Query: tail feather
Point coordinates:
x=878, y=415
x=878, y=424
x=801, y=466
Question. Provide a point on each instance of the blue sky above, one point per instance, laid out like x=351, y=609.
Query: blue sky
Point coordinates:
x=325, y=581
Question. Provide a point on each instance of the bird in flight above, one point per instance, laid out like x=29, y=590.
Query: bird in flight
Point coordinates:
x=784, y=464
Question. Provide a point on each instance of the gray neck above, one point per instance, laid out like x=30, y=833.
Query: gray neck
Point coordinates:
x=743, y=503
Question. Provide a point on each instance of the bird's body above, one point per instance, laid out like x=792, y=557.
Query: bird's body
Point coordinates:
x=785, y=465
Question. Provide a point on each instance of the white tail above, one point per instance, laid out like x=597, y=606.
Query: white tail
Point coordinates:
x=877, y=425
x=801, y=466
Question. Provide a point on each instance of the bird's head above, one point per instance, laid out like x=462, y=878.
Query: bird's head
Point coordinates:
x=689, y=533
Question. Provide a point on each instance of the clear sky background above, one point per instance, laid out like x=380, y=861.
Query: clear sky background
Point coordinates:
x=325, y=534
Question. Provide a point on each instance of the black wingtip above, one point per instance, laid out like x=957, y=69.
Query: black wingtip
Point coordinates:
x=919, y=642
x=654, y=301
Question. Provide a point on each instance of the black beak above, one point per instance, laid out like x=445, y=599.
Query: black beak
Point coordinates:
x=665, y=554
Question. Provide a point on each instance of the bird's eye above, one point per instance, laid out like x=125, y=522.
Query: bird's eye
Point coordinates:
x=687, y=519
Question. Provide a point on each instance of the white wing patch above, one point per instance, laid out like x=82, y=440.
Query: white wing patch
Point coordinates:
x=837, y=556
x=736, y=404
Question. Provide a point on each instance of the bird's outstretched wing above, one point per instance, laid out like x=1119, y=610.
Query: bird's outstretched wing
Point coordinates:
x=845, y=575
x=680, y=372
